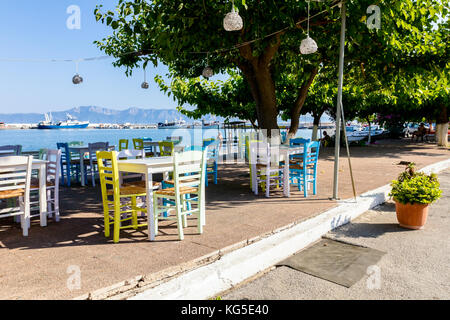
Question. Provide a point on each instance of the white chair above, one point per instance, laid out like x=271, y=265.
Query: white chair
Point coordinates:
x=189, y=179
x=15, y=181
x=52, y=178
x=265, y=167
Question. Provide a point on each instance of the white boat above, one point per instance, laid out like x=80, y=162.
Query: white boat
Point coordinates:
x=177, y=124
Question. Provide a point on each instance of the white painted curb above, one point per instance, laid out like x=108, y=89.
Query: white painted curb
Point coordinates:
x=239, y=265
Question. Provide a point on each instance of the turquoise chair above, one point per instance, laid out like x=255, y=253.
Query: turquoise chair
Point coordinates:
x=212, y=159
x=69, y=166
x=295, y=143
x=305, y=172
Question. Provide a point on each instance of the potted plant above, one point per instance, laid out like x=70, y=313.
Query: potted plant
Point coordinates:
x=413, y=192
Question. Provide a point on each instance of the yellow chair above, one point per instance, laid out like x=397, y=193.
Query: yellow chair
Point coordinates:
x=166, y=148
x=113, y=196
x=123, y=144
x=187, y=195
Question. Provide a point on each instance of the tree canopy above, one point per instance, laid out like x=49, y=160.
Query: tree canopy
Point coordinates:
x=268, y=75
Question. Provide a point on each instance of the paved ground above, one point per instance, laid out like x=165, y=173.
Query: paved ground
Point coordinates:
x=416, y=266
x=37, y=267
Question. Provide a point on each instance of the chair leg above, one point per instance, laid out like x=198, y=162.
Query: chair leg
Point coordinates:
x=117, y=223
x=156, y=212
x=56, y=204
x=215, y=172
x=180, y=223
x=134, y=213
x=106, y=220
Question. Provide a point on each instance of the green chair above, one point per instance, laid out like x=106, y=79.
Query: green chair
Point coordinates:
x=166, y=148
x=123, y=144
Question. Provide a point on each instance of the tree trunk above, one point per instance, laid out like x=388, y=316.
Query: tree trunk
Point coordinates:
x=296, y=110
x=442, y=127
x=316, y=124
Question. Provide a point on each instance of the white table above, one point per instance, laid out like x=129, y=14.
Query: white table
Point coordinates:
x=81, y=150
x=148, y=167
x=41, y=166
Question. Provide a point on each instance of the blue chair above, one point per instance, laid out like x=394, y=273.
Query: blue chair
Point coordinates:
x=148, y=149
x=68, y=165
x=295, y=143
x=212, y=159
x=305, y=172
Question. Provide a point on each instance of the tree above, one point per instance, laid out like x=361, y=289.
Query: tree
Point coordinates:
x=185, y=35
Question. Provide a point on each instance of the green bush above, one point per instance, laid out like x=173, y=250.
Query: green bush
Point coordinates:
x=415, y=187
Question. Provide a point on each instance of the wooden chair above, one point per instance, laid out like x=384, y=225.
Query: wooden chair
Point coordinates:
x=305, y=172
x=69, y=165
x=212, y=159
x=265, y=167
x=119, y=203
x=15, y=181
x=10, y=150
x=166, y=148
x=53, y=172
x=297, y=158
x=123, y=144
x=91, y=164
x=189, y=179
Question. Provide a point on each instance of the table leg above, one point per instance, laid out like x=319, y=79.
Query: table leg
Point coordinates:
x=43, y=195
x=83, y=182
x=150, y=214
x=286, y=181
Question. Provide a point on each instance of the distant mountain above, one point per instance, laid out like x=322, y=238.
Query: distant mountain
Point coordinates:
x=104, y=115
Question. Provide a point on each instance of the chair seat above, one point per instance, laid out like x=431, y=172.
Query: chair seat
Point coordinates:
x=171, y=191
x=35, y=184
x=130, y=191
x=184, y=181
x=260, y=166
x=8, y=194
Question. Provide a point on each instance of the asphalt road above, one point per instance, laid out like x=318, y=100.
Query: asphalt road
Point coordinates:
x=416, y=266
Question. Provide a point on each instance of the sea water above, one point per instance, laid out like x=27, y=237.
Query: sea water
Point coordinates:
x=34, y=139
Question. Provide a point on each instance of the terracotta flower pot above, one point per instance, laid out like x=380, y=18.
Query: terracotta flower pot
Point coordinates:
x=411, y=216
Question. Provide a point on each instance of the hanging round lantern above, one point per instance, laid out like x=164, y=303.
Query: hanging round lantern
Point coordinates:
x=145, y=85
x=308, y=46
x=77, y=79
x=233, y=21
x=208, y=72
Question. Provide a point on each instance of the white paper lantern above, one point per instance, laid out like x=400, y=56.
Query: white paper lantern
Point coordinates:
x=144, y=85
x=208, y=72
x=308, y=46
x=77, y=79
x=233, y=21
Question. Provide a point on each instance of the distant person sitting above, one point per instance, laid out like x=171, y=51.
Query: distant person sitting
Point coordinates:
x=419, y=133
x=326, y=139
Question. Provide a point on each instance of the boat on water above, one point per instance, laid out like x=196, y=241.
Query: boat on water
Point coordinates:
x=358, y=133
x=177, y=124
x=69, y=123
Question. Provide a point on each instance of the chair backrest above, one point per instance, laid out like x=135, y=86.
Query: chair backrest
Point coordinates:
x=147, y=148
x=53, y=165
x=189, y=170
x=298, y=142
x=213, y=150
x=264, y=153
x=10, y=150
x=207, y=142
x=175, y=139
x=94, y=147
x=65, y=154
x=248, y=151
x=311, y=154
x=131, y=154
x=166, y=148
x=123, y=144
x=109, y=175
x=138, y=144
x=15, y=176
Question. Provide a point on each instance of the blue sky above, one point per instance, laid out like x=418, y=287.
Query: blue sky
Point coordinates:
x=33, y=29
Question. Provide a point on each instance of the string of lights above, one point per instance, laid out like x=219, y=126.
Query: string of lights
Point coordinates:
x=232, y=22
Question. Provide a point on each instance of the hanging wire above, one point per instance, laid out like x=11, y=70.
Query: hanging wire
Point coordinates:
x=234, y=47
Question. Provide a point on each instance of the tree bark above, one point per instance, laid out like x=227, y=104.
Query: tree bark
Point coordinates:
x=442, y=127
x=316, y=124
